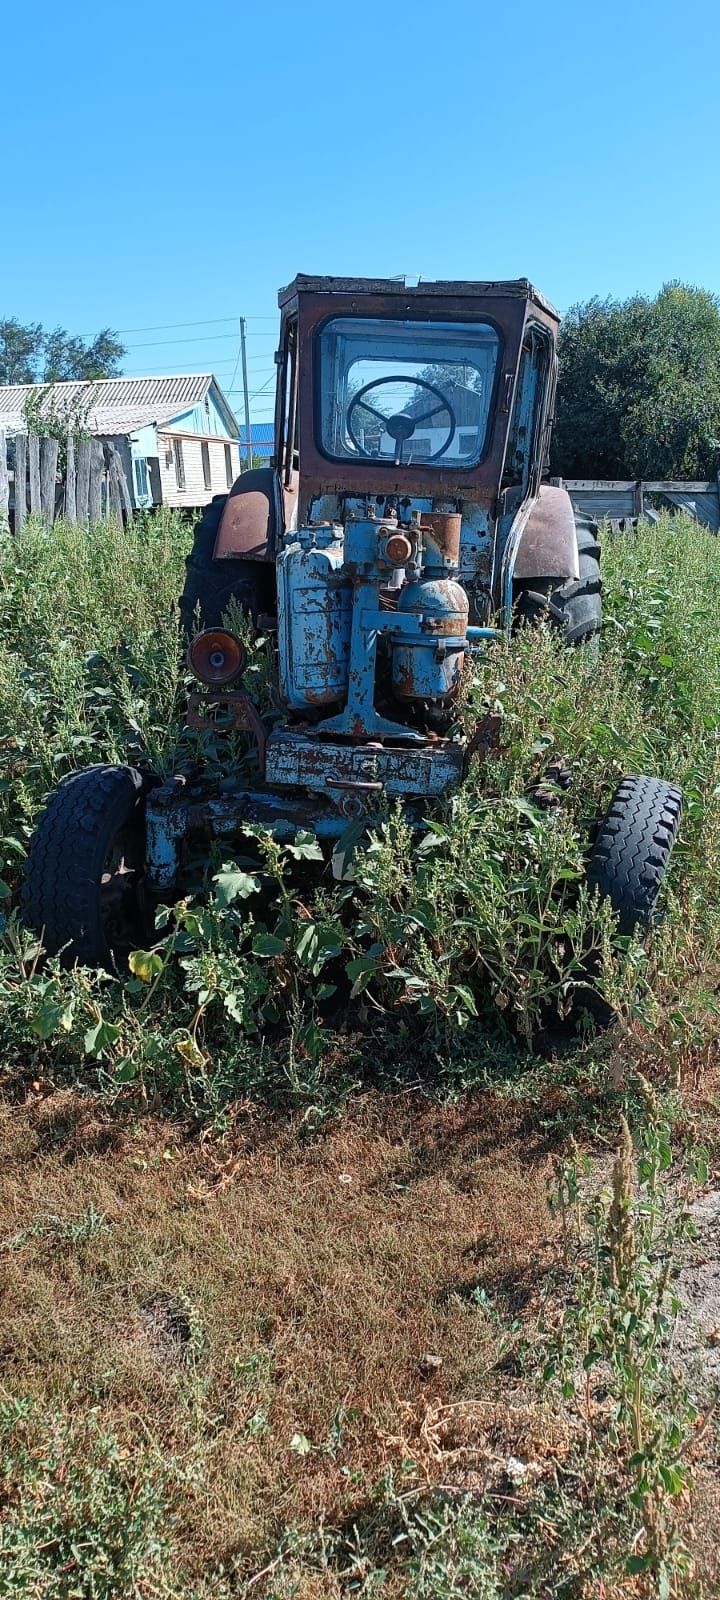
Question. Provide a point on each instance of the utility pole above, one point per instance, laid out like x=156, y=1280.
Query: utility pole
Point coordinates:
x=243, y=353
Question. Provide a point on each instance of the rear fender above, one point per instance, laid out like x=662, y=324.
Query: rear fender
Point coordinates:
x=548, y=545
x=256, y=513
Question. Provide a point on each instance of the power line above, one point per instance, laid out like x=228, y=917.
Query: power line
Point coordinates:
x=255, y=392
x=207, y=338
x=165, y=327
x=226, y=365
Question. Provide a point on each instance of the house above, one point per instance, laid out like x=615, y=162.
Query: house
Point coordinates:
x=177, y=436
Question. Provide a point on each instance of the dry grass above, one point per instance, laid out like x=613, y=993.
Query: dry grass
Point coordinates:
x=239, y=1296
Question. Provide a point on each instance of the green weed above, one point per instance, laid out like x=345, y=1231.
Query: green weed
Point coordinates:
x=469, y=941
x=78, y=1519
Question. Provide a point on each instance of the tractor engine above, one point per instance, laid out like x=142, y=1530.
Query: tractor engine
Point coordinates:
x=344, y=592
x=371, y=620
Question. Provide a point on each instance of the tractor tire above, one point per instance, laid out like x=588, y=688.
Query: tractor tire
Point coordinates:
x=575, y=607
x=631, y=851
x=82, y=894
x=211, y=585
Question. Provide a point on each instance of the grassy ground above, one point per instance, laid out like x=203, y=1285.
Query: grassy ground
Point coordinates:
x=306, y=1290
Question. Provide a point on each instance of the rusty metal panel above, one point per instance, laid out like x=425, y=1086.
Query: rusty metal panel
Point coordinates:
x=296, y=758
x=444, y=529
x=504, y=289
x=250, y=523
x=320, y=475
x=548, y=545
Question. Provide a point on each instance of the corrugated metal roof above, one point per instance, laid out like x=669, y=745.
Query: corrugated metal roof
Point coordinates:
x=262, y=438
x=113, y=405
x=260, y=433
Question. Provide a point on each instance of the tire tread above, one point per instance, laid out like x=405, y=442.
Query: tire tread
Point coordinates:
x=59, y=899
x=632, y=848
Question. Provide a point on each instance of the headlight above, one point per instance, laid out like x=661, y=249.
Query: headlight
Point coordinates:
x=216, y=657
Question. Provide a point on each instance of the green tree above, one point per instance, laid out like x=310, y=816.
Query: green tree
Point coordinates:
x=20, y=350
x=28, y=354
x=639, y=387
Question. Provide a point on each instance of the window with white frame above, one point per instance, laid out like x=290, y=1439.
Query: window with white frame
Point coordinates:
x=141, y=478
x=179, y=460
x=205, y=453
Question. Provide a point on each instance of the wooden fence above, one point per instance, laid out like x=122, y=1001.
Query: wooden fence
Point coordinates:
x=93, y=483
x=96, y=482
x=624, y=500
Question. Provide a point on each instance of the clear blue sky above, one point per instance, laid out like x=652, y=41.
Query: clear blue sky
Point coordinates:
x=174, y=164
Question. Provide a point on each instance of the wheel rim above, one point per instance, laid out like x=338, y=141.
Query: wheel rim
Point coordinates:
x=122, y=907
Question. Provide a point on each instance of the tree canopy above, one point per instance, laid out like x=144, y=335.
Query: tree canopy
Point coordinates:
x=29, y=354
x=639, y=387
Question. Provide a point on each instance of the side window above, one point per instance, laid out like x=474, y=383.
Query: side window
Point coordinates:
x=526, y=438
x=141, y=477
x=205, y=453
x=228, y=466
x=179, y=463
x=286, y=402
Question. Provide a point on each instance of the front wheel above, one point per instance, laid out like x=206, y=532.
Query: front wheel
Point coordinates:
x=631, y=852
x=83, y=894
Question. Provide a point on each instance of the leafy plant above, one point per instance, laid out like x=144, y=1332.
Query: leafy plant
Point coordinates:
x=76, y=1519
x=611, y=1356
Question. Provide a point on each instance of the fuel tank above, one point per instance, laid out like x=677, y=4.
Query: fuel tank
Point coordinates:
x=428, y=664
x=314, y=619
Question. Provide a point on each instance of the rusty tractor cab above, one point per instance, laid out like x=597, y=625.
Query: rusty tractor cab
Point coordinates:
x=402, y=524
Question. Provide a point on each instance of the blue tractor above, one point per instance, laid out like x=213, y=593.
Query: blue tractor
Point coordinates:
x=404, y=521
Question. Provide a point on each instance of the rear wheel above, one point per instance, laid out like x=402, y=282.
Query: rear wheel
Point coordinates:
x=83, y=890
x=211, y=585
x=574, y=607
x=630, y=856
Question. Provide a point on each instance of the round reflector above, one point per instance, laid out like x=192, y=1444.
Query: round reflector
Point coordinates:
x=216, y=656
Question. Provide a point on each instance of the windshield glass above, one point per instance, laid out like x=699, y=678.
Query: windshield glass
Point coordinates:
x=406, y=393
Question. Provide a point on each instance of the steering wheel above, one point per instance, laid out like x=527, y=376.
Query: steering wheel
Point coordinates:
x=402, y=425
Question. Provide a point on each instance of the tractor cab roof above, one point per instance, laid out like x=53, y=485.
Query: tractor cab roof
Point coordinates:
x=498, y=289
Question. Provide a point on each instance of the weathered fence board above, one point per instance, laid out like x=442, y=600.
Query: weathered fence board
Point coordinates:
x=34, y=463
x=20, y=484
x=83, y=480
x=114, y=498
x=49, y=452
x=123, y=462
x=4, y=482
x=97, y=473
x=70, y=495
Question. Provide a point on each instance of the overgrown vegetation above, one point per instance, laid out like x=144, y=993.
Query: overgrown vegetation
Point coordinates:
x=468, y=940
x=297, y=1435
x=639, y=387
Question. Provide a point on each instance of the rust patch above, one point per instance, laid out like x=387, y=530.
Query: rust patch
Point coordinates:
x=548, y=547
x=445, y=528
x=205, y=711
x=485, y=740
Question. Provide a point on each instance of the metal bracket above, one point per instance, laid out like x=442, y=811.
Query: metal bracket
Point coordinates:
x=204, y=711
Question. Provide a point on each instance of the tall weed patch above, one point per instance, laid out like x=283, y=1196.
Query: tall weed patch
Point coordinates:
x=454, y=939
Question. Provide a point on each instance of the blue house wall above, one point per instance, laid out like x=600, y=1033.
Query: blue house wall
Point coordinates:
x=206, y=418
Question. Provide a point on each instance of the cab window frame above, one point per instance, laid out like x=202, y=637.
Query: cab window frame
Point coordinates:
x=442, y=463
